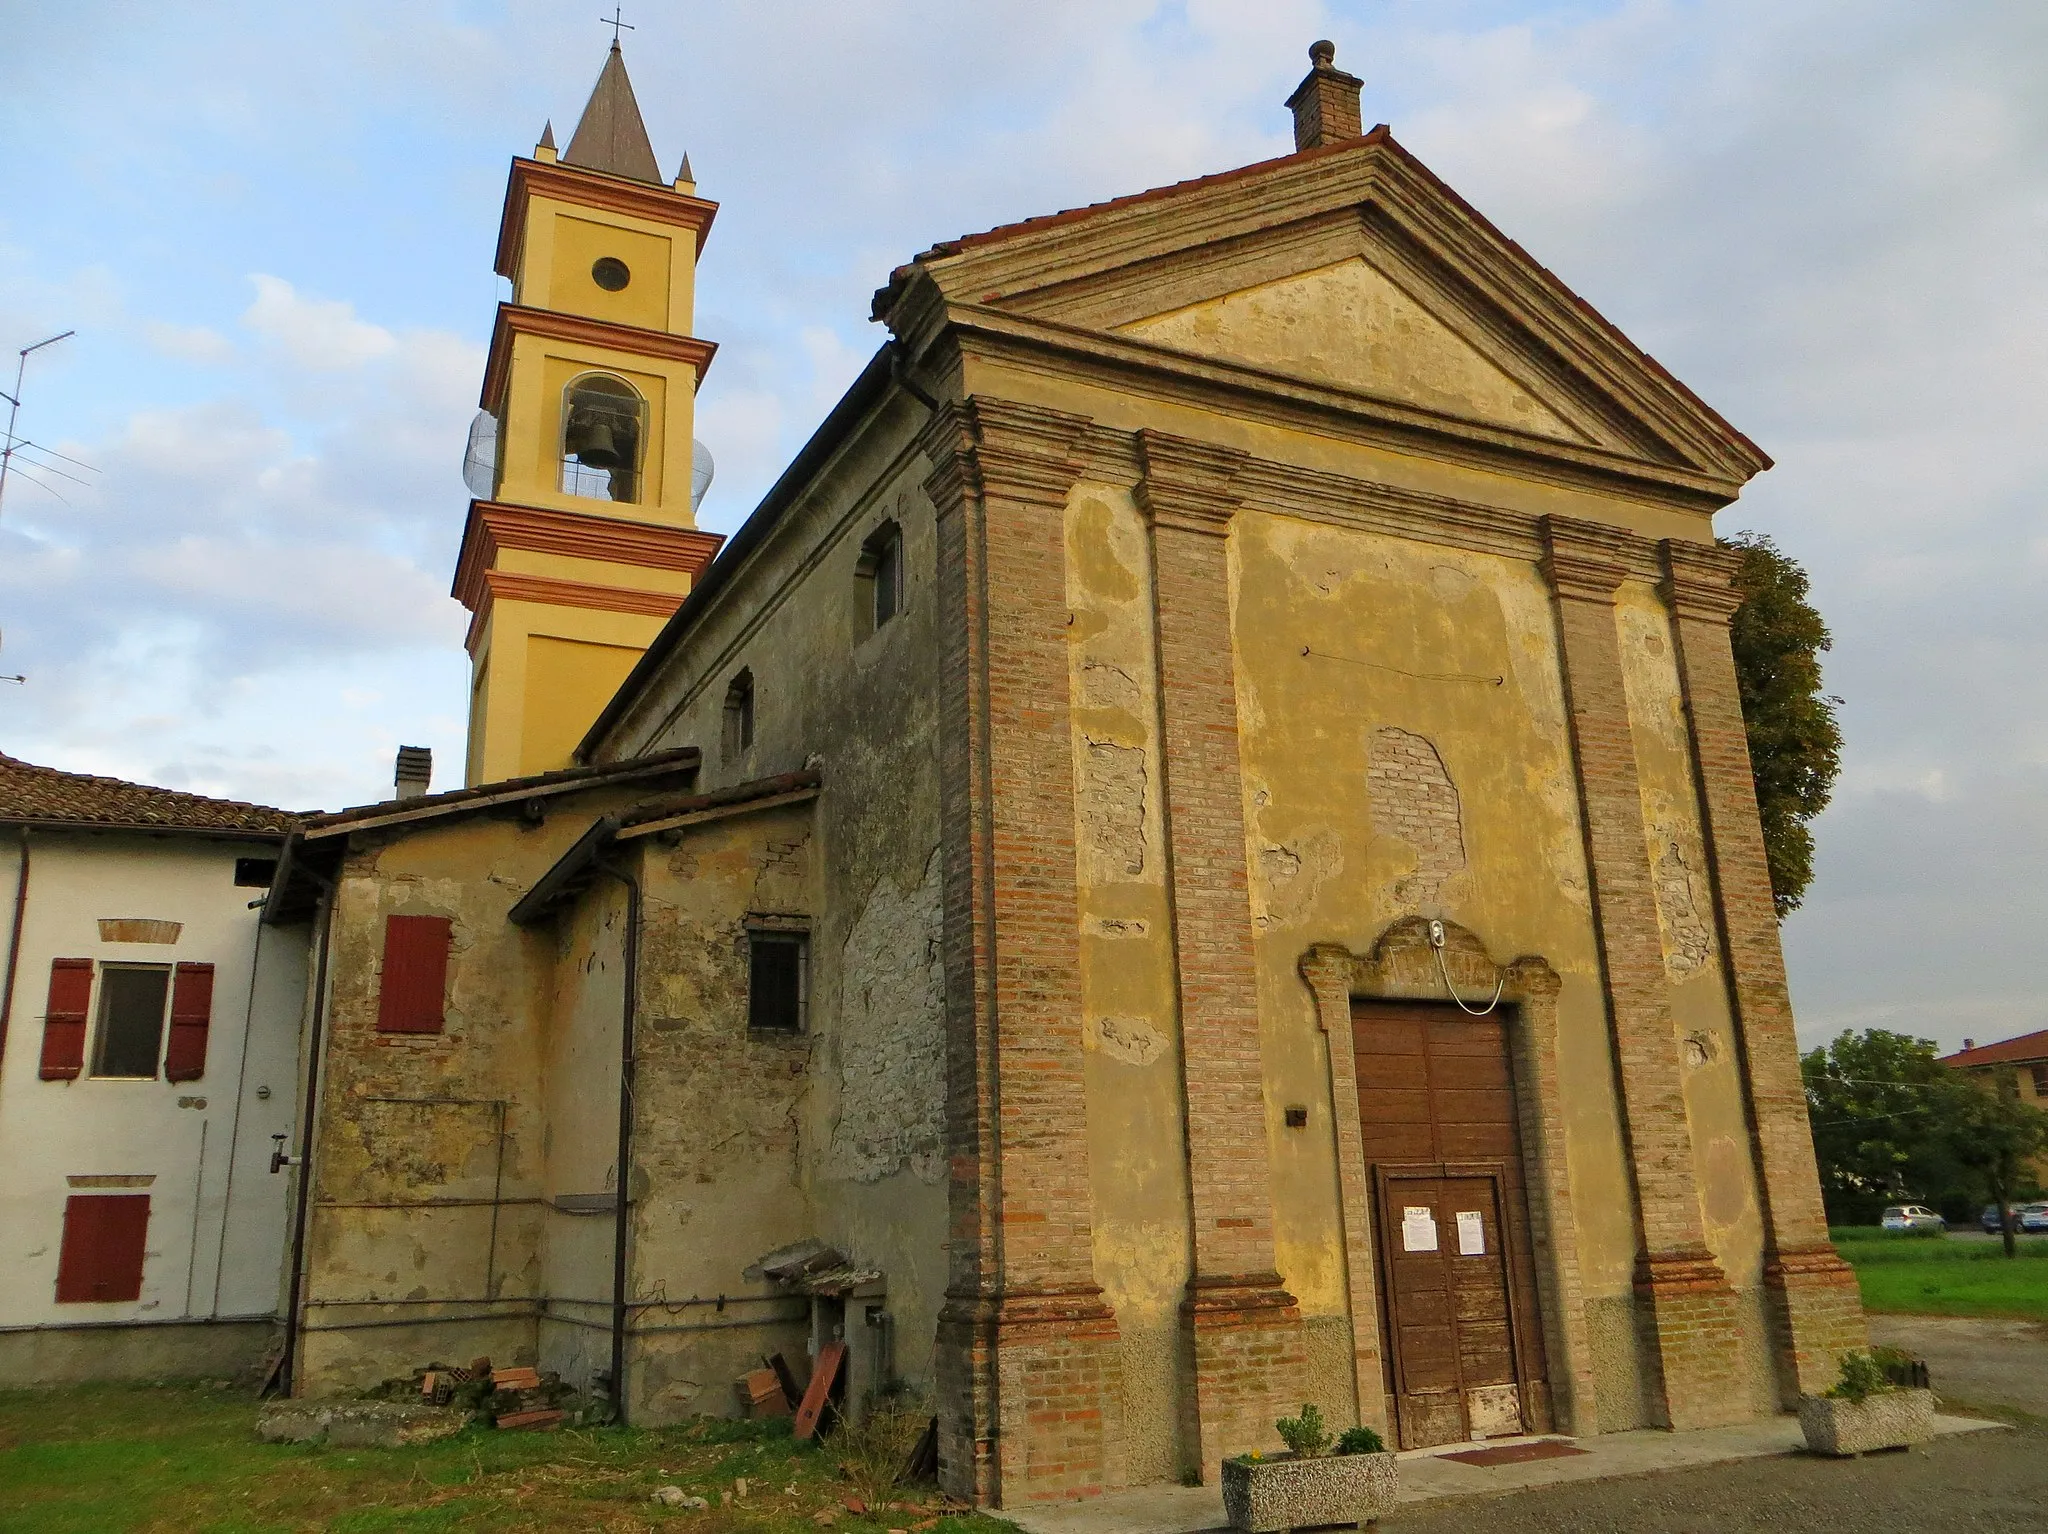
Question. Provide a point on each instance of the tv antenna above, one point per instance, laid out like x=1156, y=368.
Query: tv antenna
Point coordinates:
x=17, y=678
x=15, y=444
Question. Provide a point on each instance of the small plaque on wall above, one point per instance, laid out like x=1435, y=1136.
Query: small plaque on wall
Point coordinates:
x=1471, y=1233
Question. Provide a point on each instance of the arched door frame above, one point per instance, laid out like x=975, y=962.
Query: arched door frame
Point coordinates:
x=1403, y=967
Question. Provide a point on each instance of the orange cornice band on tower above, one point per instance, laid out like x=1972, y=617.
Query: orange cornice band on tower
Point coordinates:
x=495, y=525
x=509, y=586
x=592, y=189
x=517, y=320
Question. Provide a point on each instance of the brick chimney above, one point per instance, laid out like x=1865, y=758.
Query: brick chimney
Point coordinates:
x=415, y=771
x=1325, y=104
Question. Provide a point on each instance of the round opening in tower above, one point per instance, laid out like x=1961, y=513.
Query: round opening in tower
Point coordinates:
x=610, y=273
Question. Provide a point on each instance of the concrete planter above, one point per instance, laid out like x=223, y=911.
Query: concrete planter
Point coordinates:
x=1268, y=1495
x=1890, y=1419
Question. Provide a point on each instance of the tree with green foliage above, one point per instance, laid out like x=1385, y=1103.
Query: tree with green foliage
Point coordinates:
x=1795, y=743
x=1995, y=1135
x=1880, y=1103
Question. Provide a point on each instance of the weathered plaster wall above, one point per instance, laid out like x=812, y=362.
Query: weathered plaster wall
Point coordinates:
x=1406, y=753
x=580, y=1137
x=1137, y=1151
x=859, y=702
x=410, y=1178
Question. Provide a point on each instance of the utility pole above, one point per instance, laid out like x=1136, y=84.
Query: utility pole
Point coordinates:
x=14, y=407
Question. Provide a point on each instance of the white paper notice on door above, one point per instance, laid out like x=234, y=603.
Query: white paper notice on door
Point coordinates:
x=1418, y=1228
x=1471, y=1233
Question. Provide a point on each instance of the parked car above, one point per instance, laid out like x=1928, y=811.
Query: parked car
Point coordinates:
x=1992, y=1224
x=1912, y=1217
x=2034, y=1218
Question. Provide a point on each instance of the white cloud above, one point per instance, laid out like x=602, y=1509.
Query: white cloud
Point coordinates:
x=189, y=343
x=317, y=333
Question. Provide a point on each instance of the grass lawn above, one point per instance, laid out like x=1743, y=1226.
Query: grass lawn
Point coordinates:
x=1929, y=1276
x=104, y=1458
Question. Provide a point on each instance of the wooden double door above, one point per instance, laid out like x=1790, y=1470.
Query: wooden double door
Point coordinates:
x=1461, y=1346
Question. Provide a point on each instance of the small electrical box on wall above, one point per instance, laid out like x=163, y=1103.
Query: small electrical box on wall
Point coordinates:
x=1297, y=1118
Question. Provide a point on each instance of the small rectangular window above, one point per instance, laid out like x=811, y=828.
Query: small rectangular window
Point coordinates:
x=255, y=873
x=131, y=1032
x=412, y=990
x=739, y=715
x=100, y=1261
x=888, y=580
x=2040, y=1074
x=776, y=981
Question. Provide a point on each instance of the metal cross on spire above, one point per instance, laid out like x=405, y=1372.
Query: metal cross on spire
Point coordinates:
x=615, y=22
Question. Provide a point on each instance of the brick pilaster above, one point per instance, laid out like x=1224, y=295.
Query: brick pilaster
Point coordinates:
x=1028, y=1366
x=1243, y=1326
x=1687, y=1306
x=1818, y=1311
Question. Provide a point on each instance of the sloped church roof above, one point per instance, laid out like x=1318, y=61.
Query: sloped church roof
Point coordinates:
x=610, y=136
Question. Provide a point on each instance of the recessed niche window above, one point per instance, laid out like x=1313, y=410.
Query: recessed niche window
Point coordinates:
x=255, y=873
x=610, y=273
x=739, y=714
x=776, y=980
x=133, y=998
x=881, y=568
x=603, y=427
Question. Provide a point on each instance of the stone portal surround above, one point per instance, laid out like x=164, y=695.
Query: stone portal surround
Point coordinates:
x=1243, y=1328
x=1402, y=967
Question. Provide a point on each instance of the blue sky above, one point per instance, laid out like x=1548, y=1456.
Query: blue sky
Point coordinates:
x=272, y=228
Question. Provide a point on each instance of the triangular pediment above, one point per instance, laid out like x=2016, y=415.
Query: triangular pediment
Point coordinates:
x=1355, y=270
x=1350, y=324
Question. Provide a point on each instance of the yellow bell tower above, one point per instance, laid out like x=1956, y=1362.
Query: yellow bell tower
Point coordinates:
x=582, y=538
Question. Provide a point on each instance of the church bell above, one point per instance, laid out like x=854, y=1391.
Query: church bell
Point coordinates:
x=591, y=440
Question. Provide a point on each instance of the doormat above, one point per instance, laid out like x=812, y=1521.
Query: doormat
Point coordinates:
x=1516, y=1453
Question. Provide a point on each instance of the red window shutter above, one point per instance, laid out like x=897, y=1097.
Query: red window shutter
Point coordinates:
x=64, y=1021
x=101, y=1260
x=415, y=974
x=191, y=1016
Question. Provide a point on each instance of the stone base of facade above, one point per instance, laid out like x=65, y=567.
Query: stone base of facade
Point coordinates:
x=1692, y=1316
x=1816, y=1316
x=1030, y=1397
x=79, y=1353
x=1244, y=1337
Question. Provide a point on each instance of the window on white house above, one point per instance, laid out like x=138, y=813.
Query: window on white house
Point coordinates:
x=133, y=999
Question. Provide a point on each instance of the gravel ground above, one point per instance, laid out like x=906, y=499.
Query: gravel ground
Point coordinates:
x=1994, y=1480
x=1981, y=1363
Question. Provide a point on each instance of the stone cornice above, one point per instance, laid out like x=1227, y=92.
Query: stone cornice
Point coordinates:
x=1167, y=375
x=1003, y=450
x=592, y=189
x=1188, y=484
x=511, y=586
x=497, y=525
x=517, y=320
x=1587, y=561
x=1699, y=580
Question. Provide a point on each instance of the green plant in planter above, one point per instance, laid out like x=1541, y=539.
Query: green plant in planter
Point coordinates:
x=1862, y=1378
x=1361, y=1440
x=1305, y=1435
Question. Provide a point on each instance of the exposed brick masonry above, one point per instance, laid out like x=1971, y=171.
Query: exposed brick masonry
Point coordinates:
x=1819, y=1313
x=1690, y=1308
x=1244, y=1326
x=1029, y=1384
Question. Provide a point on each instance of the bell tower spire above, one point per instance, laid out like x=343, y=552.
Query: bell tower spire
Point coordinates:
x=582, y=535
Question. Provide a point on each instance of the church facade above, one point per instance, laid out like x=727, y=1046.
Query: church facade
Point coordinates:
x=1201, y=838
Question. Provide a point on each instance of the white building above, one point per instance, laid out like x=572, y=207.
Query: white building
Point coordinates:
x=149, y=1050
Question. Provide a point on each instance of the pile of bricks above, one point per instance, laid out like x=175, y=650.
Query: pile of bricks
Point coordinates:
x=513, y=1398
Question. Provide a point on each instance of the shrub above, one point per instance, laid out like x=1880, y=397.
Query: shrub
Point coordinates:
x=1305, y=1435
x=1361, y=1440
x=1862, y=1377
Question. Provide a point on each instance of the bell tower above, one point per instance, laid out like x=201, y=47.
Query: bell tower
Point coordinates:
x=582, y=536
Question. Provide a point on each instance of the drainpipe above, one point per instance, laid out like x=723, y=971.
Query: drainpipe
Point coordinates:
x=311, y=1116
x=14, y=942
x=621, y=1228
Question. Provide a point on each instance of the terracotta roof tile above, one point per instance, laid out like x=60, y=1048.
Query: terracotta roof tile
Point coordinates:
x=46, y=796
x=2028, y=1046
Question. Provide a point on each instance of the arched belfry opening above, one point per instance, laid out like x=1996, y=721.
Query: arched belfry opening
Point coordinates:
x=604, y=429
